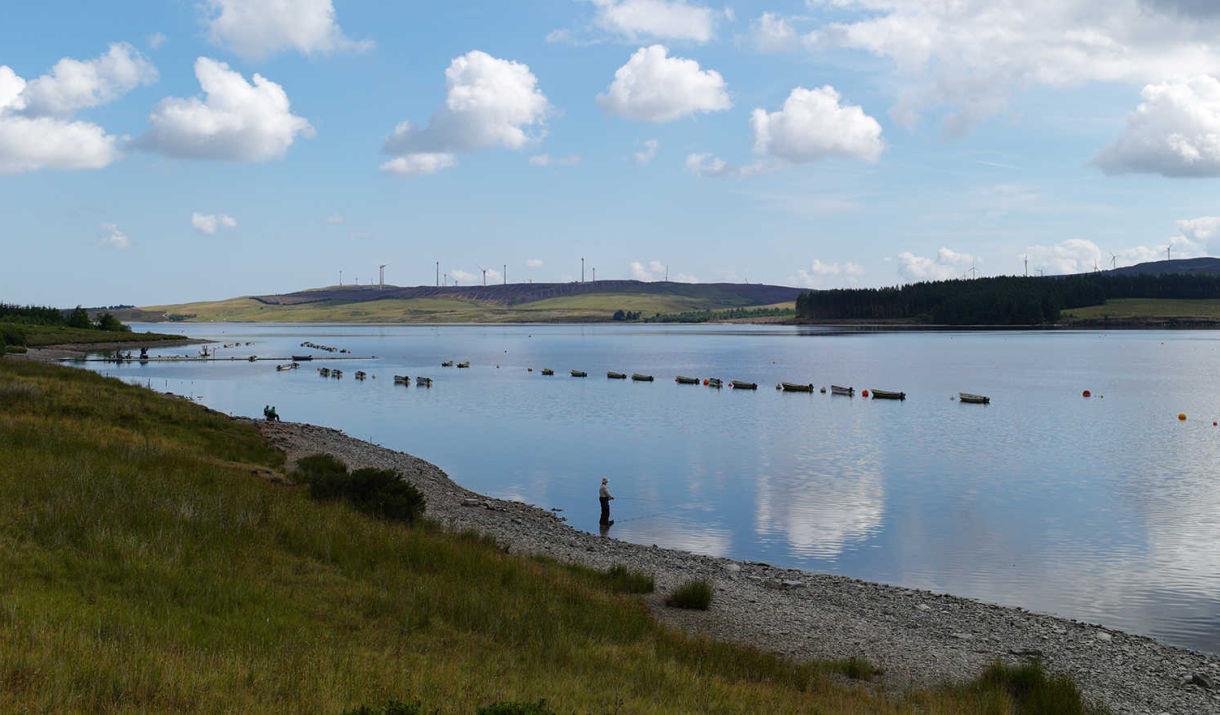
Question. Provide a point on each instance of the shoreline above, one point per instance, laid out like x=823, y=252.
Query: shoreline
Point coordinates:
x=79, y=351
x=916, y=637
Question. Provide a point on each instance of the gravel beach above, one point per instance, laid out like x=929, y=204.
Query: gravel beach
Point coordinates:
x=916, y=637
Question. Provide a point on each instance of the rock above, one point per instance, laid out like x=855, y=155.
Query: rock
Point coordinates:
x=1103, y=637
x=962, y=636
x=471, y=502
x=1202, y=680
x=924, y=607
x=732, y=568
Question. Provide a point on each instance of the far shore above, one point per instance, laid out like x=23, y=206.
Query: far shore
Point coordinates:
x=916, y=637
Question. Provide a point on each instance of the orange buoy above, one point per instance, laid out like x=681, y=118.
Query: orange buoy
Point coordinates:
x=1181, y=417
x=864, y=394
x=1086, y=393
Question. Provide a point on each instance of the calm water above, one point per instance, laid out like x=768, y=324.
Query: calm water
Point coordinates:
x=1106, y=509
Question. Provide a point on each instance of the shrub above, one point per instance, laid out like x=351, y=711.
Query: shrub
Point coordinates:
x=507, y=708
x=393, y=707
x=623, y=580
x=695, y=595
x=1033, y=690
x=382, y=493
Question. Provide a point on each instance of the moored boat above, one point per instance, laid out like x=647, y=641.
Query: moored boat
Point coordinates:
x=423, y=382
x=447, y=363
x=743, y=385
x=641, y=378
x=684, y=380
x=464, y=363
x=973, y=399
x=793, y=387
x=840, y=390
x=402, y=380
x=616, y=375
x=579, y=373
x=714, y=382
x=888, y=395
x=547, y=371
x=361, y=374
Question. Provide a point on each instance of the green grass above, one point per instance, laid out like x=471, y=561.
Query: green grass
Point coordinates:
x=43, y=335
x=1148, y=309
x=696, y=595
x=150, y=564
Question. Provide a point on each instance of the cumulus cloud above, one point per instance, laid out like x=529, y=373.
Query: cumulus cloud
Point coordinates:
x=112, y=237
x=772, y=33
x=534, y=263
x=660, y=19
x=946, y=264
x=208, y=224
x=1200, y=230
x=829, y=275
x=157, y=40
x=969, y=55
x=1174, y=132
x=548, y=160
x=256, y=29
x=460, y=276
x=707, y=165
x=489, y=102
x=654, y=87
x=235, y=120
x=656, y=271
x=73, y=85
x=36, y=130
x=1075, y=255
x=644, y=156
x=813, y=125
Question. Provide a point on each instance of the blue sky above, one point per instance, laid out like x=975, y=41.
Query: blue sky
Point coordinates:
x=853, y=142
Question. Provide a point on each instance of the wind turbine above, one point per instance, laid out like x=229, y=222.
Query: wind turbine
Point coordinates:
x=481, y=268
x=505, y=274
x=381, y=276
x=582, y=270
x=1113, y=261
x=1169, y=252
x=973, y=272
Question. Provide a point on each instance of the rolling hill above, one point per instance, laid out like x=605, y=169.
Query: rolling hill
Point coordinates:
x=511, y=303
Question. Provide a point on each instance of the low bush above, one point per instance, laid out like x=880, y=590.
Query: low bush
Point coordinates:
x=1033, y=690
x=854, y=668
x=382, y=493
x=621, y=579
x=538, y=708
x=394, y=707
x=696, y=595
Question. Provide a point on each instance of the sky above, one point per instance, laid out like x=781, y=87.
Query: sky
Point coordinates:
x=162, y=152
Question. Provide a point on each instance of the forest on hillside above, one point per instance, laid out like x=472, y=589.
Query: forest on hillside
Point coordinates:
x=1002, y=300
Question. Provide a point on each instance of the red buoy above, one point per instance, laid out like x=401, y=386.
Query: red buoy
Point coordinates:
x=864, y=394
x=1086, y=393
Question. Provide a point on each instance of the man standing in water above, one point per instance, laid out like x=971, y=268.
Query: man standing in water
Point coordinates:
x=604, y=496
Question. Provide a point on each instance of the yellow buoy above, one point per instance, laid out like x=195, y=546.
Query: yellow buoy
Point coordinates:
x=1181, y=416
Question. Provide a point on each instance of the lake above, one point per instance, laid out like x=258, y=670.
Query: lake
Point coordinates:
x=1104, y=509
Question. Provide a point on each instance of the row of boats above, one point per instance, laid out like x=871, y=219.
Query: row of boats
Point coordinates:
x=405, y=381
x=449, y=363
x=324, y=348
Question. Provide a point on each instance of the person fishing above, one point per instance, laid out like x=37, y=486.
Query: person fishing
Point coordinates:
x=604, y=496
x=270, y=414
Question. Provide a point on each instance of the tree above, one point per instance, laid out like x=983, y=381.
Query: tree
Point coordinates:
x=620, y=315
x=107, y=321
x=79, y=318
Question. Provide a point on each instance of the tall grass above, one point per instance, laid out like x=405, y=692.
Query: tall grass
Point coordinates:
x=146, y=567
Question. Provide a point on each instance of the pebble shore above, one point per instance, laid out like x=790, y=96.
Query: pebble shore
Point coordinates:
x=916, y=637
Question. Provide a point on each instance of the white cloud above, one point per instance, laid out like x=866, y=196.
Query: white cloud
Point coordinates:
x=970, y=55
x=946, y=264
x=420, y=162
x=645, y=156
x=548, y=160
x=235, y=121
x=73, y=85
x=1200, y=230
x=656, y=271
x=256, y=29
x=112, y=237
x=654, y=87
x=1075, y=255
x=534, y=263
x=772, y=33
x=489, y=102
x=829, y=275
x=208, y=224
x=157, y=40
x=461, y=276
x=1175, y=131
x=661, y=19
x=814, y=125
x=28, y=143
x=706, y=165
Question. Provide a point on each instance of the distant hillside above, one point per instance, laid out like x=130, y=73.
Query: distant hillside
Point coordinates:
x=515, y=302
x=1181, y=265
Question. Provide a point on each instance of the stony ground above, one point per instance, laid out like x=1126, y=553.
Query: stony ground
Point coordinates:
x=916, y=637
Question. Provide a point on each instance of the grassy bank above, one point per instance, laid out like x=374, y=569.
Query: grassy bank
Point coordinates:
x=1148, y=309
x=35, y=336
x=151, y=562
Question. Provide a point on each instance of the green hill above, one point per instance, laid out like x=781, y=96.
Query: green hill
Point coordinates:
x=512, y=303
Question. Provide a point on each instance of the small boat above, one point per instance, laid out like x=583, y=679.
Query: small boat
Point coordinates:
x=253, y=358
x=324, y=371
x=684, y=380
x=360, y=375
x=641, y=378
x=714, y=382
x=447, y=363
x=888, y=395
x=743, y=385
x=337, y=374
x=616, y=375
x=547, y=371
x=840, y=390
x=302, y=358
x=402, y=380
x=793, y=387
x=579, y=373
x=464, y=363
x=972, y=399
x=423, y=382
x=282, y=368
